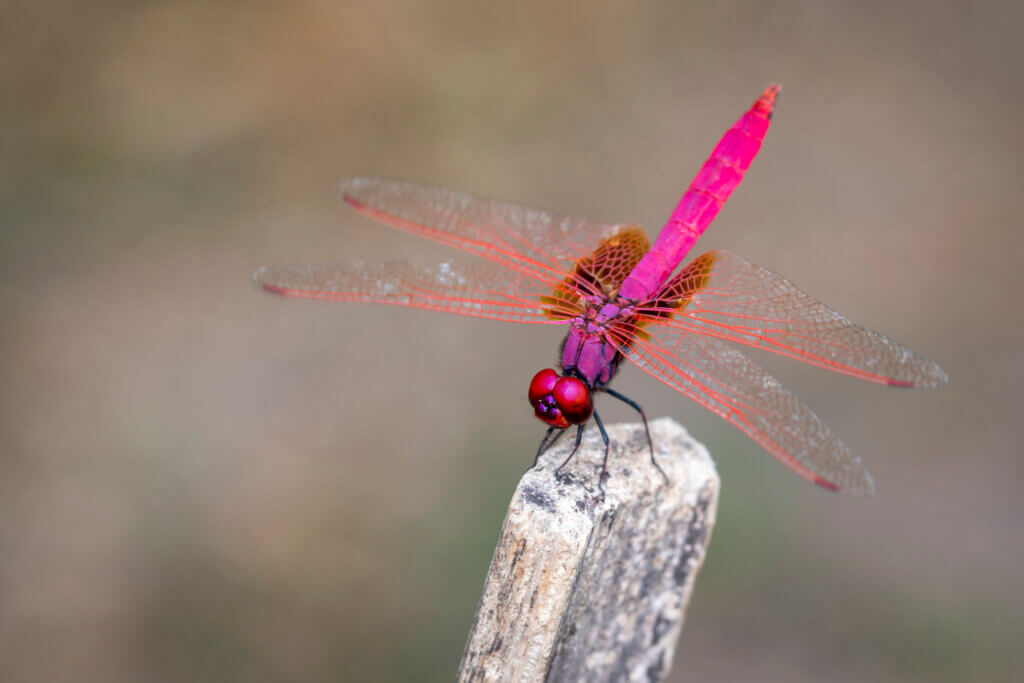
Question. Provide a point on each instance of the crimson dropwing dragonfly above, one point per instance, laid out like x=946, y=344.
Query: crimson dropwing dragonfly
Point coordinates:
x=619, y=298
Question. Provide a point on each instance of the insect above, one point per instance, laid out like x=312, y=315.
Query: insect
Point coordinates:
x=622, y=298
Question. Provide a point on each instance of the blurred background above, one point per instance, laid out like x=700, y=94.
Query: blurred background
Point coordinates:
x=201, y=482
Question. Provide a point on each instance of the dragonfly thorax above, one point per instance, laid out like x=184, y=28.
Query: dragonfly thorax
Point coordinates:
x=587, y=352
x=599, y=314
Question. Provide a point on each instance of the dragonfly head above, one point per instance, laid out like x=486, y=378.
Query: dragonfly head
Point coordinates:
x=560, y=401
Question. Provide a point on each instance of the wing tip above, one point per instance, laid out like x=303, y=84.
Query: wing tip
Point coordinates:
x=766, y=102
x=352, y=201
x=258, y=281
x=865, y=486
x=937, y=376
x=932, y=376
x=349, y=188
x=825, y=484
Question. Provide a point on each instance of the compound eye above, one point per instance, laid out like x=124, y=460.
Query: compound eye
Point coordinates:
x=542, y=384
x=573, y=397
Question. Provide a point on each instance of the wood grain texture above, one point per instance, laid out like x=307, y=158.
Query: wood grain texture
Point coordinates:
x=589, y=588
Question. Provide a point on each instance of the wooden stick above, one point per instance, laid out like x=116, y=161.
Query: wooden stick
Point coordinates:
x=585, y=588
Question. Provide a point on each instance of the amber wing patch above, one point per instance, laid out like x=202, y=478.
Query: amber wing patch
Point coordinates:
x=600, y=273
x=678, y=291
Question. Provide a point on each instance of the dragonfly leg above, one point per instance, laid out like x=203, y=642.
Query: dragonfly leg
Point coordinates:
x=579, y=438
x=607, y=449
x=545, y=444
x=636, y=406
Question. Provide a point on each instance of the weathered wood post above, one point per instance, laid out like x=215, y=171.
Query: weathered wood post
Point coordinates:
x=585, y=588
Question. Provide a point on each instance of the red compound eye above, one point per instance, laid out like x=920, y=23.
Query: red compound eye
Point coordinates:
x=573, y=397
x=560, y=401
x=542, y=384
x=544, y=406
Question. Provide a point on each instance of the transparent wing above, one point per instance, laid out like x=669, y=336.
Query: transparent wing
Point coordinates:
x=722, y=295
x=471, y=287
x=730, y=385
x=531, y=241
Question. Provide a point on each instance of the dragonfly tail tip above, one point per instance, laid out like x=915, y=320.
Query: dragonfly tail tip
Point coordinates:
x=766, y=102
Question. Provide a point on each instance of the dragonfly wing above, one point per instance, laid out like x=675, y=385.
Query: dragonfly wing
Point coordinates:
x=732, y=386
x=475, y=288
x=529, y=240
x=722, y=295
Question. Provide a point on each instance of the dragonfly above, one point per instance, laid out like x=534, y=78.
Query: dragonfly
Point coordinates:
x=622, y=298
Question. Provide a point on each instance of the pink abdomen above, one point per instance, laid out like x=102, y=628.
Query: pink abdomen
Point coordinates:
x=715, y=181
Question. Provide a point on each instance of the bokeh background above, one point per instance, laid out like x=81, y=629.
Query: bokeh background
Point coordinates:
x=199, y=482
